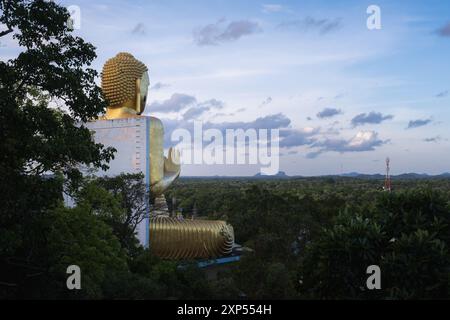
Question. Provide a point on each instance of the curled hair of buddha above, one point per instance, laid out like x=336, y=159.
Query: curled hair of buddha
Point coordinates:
x=119, y=78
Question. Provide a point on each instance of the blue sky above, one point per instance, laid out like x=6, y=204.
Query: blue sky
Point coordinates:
x=343, y=96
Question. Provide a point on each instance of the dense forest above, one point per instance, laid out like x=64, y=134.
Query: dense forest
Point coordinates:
x=315, y=237
x=306, y=238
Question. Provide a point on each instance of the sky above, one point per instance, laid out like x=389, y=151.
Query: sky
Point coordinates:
x=343, y=96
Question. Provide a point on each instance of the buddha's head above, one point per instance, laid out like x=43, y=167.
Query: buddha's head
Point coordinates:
x=125, y=84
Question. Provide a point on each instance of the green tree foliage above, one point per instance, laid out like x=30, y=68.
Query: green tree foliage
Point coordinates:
x=404, y=233
x=77, y=237
x=335, y=263
x=44, y=93
x=316, y=237
x=121, y=201
x=63, y=237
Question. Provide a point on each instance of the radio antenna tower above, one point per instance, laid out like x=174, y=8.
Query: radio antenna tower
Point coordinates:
x=387, y=180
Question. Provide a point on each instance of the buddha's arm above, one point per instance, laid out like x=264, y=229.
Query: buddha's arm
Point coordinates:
x=156, y=150
x=163, y=171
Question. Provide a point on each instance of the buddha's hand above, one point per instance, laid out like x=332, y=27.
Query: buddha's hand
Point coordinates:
x=172, y=162
x=171, y=172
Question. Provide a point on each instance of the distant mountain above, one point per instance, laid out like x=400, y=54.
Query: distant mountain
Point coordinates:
x=280, y=174
x=351, y=174
x=403, y=176
x=354, y=175
x=412, y=175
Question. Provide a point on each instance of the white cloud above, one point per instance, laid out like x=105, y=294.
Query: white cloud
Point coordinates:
x=362, y=141
x=216, y=33
x=268, y=8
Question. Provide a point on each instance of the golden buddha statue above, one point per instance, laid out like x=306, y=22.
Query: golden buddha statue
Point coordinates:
x=125, y=84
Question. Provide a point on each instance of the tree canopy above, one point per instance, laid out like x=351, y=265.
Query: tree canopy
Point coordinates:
x=46, y=92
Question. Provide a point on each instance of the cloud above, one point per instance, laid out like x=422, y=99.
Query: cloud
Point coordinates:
x=442, y=94
x=214, y=34
x=294, y=138
x=159, y=86
x=274, y=121
x=180, y=101
x=289, y=138
x=313, y=155
x=444, y=31
x=433, y=139
x=213, y=103
x=328, y=113
x=362, y=141
x=269, y=8
x=175, y=103
x=195, y=112
x=371, y=118
x=323, y=26
x=139, y=29
x=418, y=123
x=202, y=107
x=267, y=101
x=335, y=123
x=332, y=128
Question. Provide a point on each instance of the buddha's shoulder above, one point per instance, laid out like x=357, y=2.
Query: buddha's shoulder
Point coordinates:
x=155, y=122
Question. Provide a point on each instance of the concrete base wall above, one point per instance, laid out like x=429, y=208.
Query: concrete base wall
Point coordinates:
x=130, y=137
